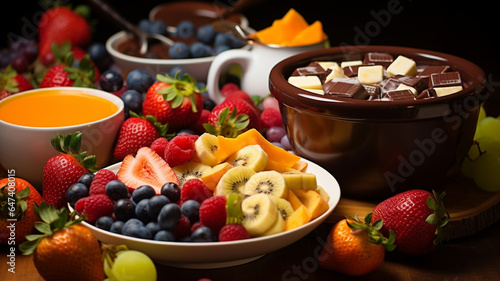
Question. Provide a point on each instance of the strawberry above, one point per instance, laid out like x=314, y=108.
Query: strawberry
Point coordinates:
x=232, y=117
x=25, y=196
x=12, y=82
x=65, y=74
x=137, y=132
x=146, y=168
x=61, y=24
x=65, y=249
x=173, y=100
x=354, y=247
x=65, y=168
x=416, y=218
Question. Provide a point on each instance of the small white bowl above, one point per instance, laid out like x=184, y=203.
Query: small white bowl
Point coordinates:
x=196, y=67
x=222, y=254
x=26, y=149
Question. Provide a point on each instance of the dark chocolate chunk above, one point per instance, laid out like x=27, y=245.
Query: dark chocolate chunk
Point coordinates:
x=446, y=79
x=429, y=70
x=399, y=95
x=313, y=68
x=427, y=93
x=352, y=70
x=390, y=84
x=384, y=59
x=418, y=83
x=373, y=90
x=347, y=90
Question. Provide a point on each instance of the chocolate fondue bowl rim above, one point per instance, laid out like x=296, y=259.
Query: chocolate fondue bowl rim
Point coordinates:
x=118, y=37
x=346, y=108
x=95, y=92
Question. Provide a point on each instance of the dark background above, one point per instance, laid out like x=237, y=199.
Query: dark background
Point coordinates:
x=469, y=30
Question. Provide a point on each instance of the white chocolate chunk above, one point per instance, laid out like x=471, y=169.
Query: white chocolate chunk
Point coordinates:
x=328, y=64
x=351, y=62
x=316, y=91
x=372, y=74
x=306, y=82
x=444, y=91
x=406, y=87
x=402, y=66
x=336, y=73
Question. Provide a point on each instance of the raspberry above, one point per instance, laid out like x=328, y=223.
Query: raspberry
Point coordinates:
x=233, y=231
x=159, y=145
x=183, y=228
x=96, y=206
x=229, y=88
x=179, y=150
x=213, y=212
x=101, y=178
x=80, y=204
x=196, y=190
x=270, y=117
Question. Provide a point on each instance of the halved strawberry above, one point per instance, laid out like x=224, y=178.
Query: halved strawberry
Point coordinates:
x=146, y=168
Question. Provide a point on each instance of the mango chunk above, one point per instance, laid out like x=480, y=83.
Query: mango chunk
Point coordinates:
x=212, y=178
x=313, y=201
x=300, y=217
x=311, y=35
x=294, y=201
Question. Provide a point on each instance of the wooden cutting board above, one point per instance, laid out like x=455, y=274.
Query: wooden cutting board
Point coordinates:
x=471, y=209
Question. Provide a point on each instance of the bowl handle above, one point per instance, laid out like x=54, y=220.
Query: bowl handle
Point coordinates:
x=219, y=64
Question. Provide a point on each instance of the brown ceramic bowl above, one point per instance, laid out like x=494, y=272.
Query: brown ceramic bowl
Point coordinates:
x=379, y=148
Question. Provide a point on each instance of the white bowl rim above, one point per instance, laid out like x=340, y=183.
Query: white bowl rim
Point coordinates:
x=95, y=92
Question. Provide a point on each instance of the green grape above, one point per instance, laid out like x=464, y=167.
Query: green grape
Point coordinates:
x=482, y=114
x=489, y=127
x=487, y=145
x=467, y=168
x=485, y=173
x=133, y=265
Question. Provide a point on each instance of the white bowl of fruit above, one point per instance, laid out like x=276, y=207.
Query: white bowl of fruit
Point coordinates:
x=227, y=201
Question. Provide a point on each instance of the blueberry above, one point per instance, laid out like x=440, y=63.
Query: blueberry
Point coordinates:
x=206, y=34
x=202, y=234
x=222, y=39
x=179, y=50
x=124, y=209
x=185, y=131
x=132, y=222
x=155, y=204
x=138, y=231
x=176, y=69
x=185, y=29
x=132, y=100
x=86, y=179
x=116, y=189
x=202, y=86
x=140, y=80
x=172, y=191
x=141, y=211
x=236, y=42
x=169, y=216
x=219, y=49
x=209, y=104
x=153, y=227
x=143, y=192
x=99, y=55
x=191, y=210
x=158, y=27
x=145, y=25
x=110, y=81
x=164, y=235
x=104, y=223
x=76, y=191
x=198, y=50
x=116, y=227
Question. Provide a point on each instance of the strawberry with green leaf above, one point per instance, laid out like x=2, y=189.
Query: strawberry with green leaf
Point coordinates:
x=12, y=82
x=174, y=100
x=137, y=131
x=65, y=168
x=232, y=117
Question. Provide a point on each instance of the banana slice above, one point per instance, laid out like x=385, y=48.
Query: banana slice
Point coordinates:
x=205, y=147
x=270, y=183
x=190, y=170
x=260, y=213
x=278, y=226
x=284, y=207
x=300, y=180
x=234, y=180
x=252, y=156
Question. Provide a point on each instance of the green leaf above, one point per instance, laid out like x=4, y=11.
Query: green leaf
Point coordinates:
x=23, y=193
x=43, y=227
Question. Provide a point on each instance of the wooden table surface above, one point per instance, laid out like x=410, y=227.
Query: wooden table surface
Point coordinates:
x=472, y=258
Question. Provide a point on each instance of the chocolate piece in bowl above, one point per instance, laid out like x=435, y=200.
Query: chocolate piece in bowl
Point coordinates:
x=345, y=90
x=313, y=69
x=376, y=148
x=383, y=59
x=399, y=95
x=445, y=79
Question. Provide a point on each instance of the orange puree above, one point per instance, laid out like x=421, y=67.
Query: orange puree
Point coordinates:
x=55, y=108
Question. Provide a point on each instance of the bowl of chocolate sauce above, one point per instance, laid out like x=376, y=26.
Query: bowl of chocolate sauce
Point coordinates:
x=409, y=127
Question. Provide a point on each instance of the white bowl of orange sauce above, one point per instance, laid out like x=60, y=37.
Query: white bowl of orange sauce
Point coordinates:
x=29, y=120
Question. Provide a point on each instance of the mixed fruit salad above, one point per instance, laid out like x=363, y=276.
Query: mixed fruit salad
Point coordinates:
x=188, y=169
